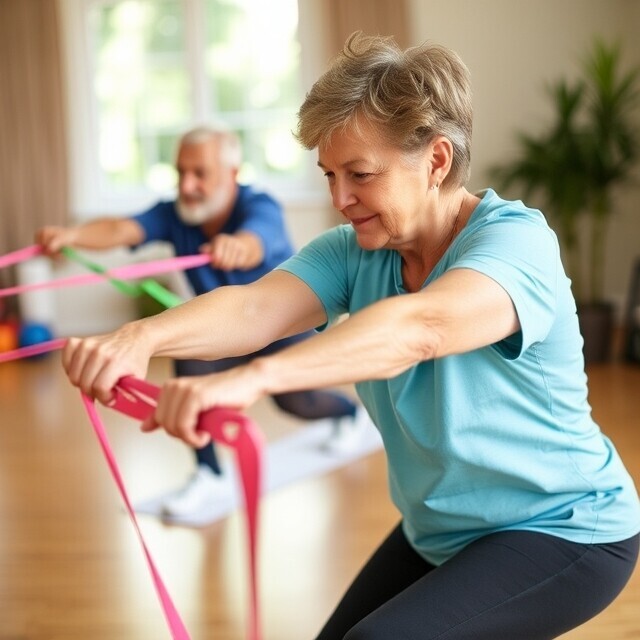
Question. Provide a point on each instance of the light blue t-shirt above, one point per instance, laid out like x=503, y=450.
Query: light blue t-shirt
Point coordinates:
x=497, y=438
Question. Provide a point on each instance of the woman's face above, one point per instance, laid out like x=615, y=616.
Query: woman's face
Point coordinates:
x=381, y=191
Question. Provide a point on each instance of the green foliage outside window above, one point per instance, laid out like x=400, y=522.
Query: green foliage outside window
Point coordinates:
x=144, y=85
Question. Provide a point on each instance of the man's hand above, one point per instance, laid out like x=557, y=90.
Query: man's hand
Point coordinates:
x=242, y=251
x=52, y=239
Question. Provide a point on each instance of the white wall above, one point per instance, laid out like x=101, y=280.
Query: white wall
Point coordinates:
x=514, y=47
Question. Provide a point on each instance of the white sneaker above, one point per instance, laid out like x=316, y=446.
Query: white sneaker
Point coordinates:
x=202, y=488
x=348, y=432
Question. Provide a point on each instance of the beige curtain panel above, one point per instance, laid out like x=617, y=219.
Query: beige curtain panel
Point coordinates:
x=373, y=17
x=33, y=157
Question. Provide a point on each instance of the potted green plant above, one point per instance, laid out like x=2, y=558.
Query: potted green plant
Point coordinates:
x=576, y=164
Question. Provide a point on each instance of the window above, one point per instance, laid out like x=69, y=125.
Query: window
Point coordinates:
x=147, y=70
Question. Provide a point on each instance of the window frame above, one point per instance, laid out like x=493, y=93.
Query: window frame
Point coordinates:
x=89, y=195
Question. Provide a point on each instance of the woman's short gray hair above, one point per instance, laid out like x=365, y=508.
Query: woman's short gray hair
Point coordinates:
x=411, y=96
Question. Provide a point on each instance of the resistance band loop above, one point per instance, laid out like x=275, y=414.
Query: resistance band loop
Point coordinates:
x=137, y=399
x=116, y=276
x=127, y=272
x=148, y=286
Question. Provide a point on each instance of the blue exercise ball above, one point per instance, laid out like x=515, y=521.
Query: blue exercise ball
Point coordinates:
x=34, y=333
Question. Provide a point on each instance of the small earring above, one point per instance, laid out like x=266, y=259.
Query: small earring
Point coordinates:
x=434, y=186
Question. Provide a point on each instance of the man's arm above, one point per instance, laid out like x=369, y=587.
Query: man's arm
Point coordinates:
x=103, y=233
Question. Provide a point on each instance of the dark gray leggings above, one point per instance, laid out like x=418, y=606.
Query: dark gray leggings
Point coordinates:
x=514, y=585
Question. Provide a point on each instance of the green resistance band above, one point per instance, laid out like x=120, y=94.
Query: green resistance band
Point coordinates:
x=147, y=286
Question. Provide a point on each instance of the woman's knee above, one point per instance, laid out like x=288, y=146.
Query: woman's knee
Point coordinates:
x=296, y=404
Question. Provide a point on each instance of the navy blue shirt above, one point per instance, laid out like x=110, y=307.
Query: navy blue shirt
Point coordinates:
x=254, y=211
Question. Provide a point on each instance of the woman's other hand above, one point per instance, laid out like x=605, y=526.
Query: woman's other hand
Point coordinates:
x=182, y=400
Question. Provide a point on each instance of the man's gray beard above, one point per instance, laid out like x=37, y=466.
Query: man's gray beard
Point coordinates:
x=196, y=214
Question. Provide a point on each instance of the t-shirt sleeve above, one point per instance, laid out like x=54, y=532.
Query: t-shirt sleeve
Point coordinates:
x=322, y=265
x=522, y=255
x=155, y=223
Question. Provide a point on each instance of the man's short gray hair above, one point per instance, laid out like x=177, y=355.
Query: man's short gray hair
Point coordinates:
x=228, y=143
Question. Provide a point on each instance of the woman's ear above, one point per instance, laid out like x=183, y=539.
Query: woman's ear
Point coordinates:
x=441, y=151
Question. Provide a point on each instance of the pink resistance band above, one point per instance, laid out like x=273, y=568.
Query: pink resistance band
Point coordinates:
x=127, y=272
x=20, y=256
x=7, y=260
x=137, y=399
x=32, y=350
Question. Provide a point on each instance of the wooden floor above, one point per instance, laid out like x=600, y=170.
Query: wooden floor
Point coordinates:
x=71, y=566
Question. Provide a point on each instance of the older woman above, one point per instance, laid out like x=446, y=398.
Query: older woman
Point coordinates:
x=518, y=518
